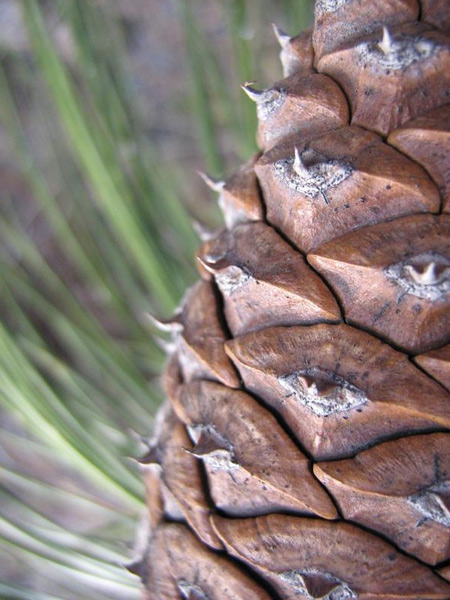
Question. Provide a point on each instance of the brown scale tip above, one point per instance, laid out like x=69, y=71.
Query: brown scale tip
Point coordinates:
x=136, y=567
x=151, y=457
x=208, y=443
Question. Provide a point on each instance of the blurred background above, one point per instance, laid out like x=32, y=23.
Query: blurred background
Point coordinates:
x=107, y=110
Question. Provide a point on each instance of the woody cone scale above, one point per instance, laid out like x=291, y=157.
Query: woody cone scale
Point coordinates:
x=303, y=451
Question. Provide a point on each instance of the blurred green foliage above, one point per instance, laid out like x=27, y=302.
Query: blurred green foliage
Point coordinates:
x=78, y=365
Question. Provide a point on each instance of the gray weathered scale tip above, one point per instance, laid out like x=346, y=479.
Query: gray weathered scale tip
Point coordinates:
x=212, y=447
x=233, y=278
x=214, y=184
x=190, y=591
x=267, y=101
x=282, y=37
x=166, y=346
x=298, y=164
x=204, y=233
x=397, y=53
x=314, y=180
x=386, y=41
x=306, y=581
x=216, y=458
x=173, y=325
x=329, y=6
x=145, y=441
x=202, y=434
x=137, y=437
x=215, y=257
x=206, y=265
x=322, y=392
x=429, y=276
x=431, y=503
x=253, y=93
x=426, y=275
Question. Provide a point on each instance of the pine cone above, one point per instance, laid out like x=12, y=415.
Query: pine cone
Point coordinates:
x=303, y=451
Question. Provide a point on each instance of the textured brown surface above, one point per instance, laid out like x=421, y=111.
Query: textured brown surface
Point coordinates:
x=427, y=141
x=351, y=179
x=282, y=548
x=252, y=464
x=201, y=337
x=266, y=283
x=178, y=566
x=398, y=488
x=394, y=303
x=414, y=74
x=180, y=484
x=338, y=23
x=302, y=104
x=437, y=364
x=309, y=437
x=338, y=388
x=436, y=12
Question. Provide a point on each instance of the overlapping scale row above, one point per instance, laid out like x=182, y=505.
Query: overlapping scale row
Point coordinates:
x=175, y=485
x=393, y=76
x=319, y=189
x=239, y=196
x=199, y=336
x=177, y=565
x=399, y=488
x=252, y=464
x=427, y=141
x=305, y=450
x=437, y=364
x=266, y=282
x=403, y=266
x=304, y=104
x=338, y=388
x=311, y=558
x=342, y=23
